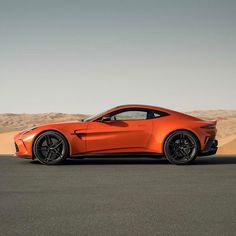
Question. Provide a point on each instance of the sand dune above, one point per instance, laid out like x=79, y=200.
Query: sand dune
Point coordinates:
x=226, y=126
x=226, y=121
x=228, y=148
x=224, y=141
x=11, y=122
x=7, y=143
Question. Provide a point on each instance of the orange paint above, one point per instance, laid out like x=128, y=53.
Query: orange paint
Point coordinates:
x=118, y=136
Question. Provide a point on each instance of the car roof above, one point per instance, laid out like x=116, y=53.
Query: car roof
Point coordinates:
x=139, y=106
x=161, y=109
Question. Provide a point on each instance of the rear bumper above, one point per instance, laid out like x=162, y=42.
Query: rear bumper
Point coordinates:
x=210, y=148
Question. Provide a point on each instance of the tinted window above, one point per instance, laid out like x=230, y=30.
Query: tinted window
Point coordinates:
x=130, y=115
x=155, y=114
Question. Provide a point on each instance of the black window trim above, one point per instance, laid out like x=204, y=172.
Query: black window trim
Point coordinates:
x=150, y=113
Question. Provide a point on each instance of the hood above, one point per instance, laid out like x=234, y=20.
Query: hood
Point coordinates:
x=54, y=125
x=62, y=123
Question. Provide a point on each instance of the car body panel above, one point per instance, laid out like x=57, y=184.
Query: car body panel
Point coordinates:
x=119, y=136
x=129, y=136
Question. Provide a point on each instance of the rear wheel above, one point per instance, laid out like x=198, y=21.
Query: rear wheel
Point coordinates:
x=50, y=148
x=181, y=147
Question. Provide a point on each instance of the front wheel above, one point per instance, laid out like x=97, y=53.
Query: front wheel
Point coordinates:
x=50, y=148
x=181, y=147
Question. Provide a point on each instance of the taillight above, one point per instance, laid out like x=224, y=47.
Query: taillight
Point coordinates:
x=208, y=127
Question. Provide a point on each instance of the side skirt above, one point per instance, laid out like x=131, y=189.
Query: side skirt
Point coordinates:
x=124, y=154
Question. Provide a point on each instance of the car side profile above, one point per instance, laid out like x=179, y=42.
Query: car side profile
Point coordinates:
x=128, y=129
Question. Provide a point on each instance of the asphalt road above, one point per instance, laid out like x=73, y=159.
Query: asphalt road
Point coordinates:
x=118, y=197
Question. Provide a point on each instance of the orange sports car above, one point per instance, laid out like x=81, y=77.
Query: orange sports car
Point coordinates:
x=128, y=129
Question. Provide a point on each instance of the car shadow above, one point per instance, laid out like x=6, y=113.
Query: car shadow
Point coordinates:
x=113, y=161
x=213, y=160
x=216, y=160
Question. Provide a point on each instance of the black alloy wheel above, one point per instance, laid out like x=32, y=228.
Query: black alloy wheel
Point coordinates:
x=50, y=148
x=181, y=147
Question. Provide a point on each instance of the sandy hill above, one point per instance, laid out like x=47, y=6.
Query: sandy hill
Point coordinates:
x=226, y=128
x=10, y=123
x=226, y=121
x=13, y=122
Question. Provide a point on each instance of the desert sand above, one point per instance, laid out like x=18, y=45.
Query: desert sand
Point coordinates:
x=7, y=143
x=10, y=124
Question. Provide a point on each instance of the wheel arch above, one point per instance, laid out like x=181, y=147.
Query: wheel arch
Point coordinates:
x=44, y=131
x=187, y=130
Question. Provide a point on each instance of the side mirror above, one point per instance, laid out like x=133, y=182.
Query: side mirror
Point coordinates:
x=105, y=118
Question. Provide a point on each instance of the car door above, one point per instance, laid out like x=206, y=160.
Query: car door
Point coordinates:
x=125, y=131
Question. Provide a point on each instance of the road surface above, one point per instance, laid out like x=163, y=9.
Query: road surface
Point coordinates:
x=119, y=196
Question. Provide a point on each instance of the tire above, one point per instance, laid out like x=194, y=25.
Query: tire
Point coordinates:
x=181, y=147
x=51, y=148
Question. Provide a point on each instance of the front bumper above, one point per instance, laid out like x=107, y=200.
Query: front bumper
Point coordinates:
x=210, y=148
x=21, y=149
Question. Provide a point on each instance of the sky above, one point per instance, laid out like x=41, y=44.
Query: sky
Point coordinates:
x=88, y=56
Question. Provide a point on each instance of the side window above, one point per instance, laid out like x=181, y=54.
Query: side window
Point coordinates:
x=130, y=115
x=156, y=114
